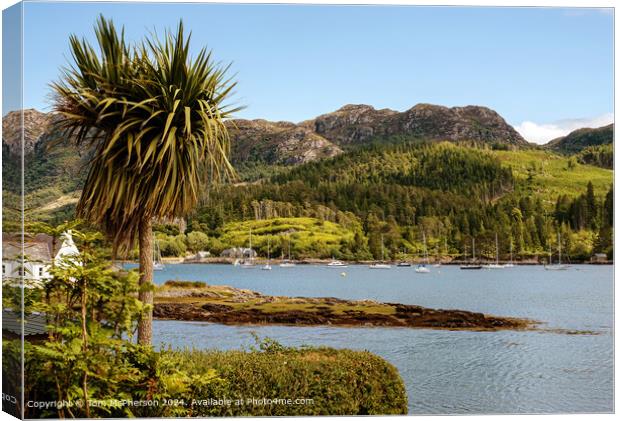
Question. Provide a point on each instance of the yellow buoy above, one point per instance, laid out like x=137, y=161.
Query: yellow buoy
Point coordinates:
x=343, y=274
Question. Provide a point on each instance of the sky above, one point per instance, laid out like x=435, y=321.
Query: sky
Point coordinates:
x=546, y=71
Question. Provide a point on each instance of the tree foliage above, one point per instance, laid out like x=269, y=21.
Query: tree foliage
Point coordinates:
x=154, y=118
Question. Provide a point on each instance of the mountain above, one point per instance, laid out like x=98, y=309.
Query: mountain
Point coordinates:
x=389, y=178
x=357, y=124
x=580, y=139
x=45, y=167
x=36, y=126
x=322, y=137
x=277, y=143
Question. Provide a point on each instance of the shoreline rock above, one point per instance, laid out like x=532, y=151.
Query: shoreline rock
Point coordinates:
x=231, y=306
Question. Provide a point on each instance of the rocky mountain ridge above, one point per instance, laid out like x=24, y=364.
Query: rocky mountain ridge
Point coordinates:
x=354, y=124
x=36, y=126
x=322, y=137
x=357, y=124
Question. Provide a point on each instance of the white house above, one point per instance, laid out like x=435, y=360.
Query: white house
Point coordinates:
x=39, y=252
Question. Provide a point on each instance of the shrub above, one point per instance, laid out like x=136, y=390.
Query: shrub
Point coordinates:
x=184, y=284
x=168, y=229
x=197, y=241
x=332, y=382
x=172, y=246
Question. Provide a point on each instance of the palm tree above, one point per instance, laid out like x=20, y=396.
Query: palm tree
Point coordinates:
x=152, y=119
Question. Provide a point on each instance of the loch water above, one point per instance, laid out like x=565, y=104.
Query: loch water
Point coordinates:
x=446, y=372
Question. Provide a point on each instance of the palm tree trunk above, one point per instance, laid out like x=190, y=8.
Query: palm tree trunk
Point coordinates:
x=145, y=325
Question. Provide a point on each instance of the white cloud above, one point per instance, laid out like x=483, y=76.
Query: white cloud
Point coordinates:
x=543, y=133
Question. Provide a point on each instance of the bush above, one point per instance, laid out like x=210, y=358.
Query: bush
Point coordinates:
x=172, y=246
x=332, y=382
x=168, y=229
x=197, y=241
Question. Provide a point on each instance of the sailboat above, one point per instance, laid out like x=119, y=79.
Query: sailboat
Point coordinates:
x=421, y=268
x=472, y=265
x=249, y=264
x=495, y=265
x=403, y=263
x=511, y=264
x=445, y=246
x=267, y=266
x=158, y=264
x=559, y=265
x=381, y=265
x=288, y=263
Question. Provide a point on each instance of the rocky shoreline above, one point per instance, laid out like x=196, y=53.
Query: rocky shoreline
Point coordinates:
x=227, y=305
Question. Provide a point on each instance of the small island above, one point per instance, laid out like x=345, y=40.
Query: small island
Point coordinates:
x=198, y=301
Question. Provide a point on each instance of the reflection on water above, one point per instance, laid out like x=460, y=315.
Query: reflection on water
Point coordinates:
x=447, y=372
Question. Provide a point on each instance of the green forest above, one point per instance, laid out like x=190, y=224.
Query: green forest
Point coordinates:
x=394, y=191
x=400, y=192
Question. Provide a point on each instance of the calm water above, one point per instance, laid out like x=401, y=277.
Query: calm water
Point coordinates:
x=447, y=372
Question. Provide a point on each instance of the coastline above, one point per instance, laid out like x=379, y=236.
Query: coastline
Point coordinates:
x=323, y=262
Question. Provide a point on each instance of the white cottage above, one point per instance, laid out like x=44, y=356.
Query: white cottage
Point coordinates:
x=39, y=252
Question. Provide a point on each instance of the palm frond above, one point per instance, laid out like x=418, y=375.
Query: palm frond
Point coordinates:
x=159, y=118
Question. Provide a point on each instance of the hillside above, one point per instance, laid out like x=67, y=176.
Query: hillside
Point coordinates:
x=308, y=237
x=548, y=175
x=49, y=162
x=277, y=143
x=342, y=184
x=261, y=142
x=447, y=192
x=580, y=139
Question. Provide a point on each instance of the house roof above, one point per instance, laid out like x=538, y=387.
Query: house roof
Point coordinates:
x=39, y=247
x=34, y=324
x=34, y=252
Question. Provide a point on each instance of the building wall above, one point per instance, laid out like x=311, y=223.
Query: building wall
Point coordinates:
x=34, y=272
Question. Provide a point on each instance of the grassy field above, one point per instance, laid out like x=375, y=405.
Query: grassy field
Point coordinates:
x=308, y=236
x=551, y=175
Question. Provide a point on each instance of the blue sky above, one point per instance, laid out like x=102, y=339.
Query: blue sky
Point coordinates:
x=545, y=70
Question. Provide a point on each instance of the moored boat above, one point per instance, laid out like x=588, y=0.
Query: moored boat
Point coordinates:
x=381, y=265
x=288, y=263
x=421, y=268
x=495, y=265
x=558, y=265
x=472, y=265
x=337, y=263
x=158, y=264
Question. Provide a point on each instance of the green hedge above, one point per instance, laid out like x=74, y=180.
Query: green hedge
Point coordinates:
x=330, y=381
x=337, y=382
